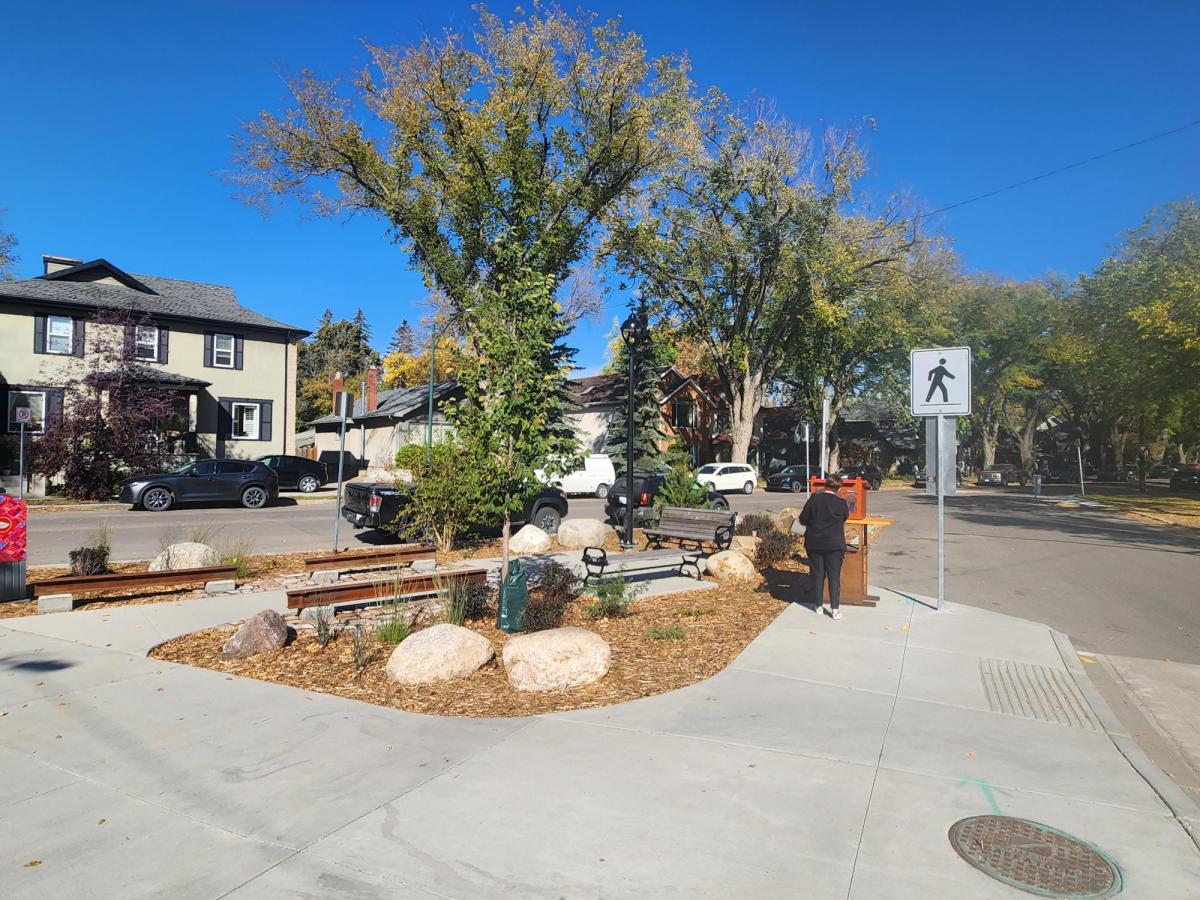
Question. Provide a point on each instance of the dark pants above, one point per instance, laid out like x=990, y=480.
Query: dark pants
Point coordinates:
x=822, y=565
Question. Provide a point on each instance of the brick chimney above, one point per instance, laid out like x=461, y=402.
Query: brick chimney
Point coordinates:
x=338, y=387
x=372, y=388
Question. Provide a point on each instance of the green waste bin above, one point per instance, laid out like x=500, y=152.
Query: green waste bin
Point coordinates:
x=514, y=597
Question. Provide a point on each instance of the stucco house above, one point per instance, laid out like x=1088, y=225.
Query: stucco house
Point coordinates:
x=232, y=370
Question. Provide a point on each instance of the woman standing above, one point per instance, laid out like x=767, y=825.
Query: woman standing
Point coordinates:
x=824, y=519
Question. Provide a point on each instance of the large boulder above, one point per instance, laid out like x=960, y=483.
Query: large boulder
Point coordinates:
x=745, y=544
x=187, y=555
x=529, y=539
x=263, y=631
x=786, y=518
x=438, y=653
x=575, y=534
x=555, y=659
x=730, y=565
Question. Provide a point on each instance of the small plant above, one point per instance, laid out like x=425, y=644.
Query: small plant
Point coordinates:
x=754, y=523
x=455, y=596
x=203, y=533
x=103, y=536
x=697, y=612
x=322, y=619
x=557, y=583
x=612, y=596
x=773, y=548
x=666, y=633
x=680, y=488
x=544, y=612
x=89, y=560
x=238, y=554
x=393, y=627
x=360, y=649
x=478, y=601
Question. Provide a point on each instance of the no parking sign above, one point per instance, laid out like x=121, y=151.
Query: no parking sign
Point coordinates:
x=12, y=530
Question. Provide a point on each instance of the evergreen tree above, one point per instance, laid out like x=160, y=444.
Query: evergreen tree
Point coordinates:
x=403, y=340
x=342, y=345
x=648, y=435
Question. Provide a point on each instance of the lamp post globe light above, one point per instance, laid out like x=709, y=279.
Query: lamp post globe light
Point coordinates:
x=634, y=332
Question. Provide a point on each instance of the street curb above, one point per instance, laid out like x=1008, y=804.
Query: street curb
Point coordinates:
x=1185, y=811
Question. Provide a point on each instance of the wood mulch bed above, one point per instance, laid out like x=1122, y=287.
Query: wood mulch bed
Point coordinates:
x=716, y=625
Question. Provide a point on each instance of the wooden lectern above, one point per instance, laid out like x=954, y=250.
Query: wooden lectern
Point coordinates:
x=854, y=566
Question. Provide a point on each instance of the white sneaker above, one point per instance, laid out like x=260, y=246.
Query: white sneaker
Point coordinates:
x=835, y=613
x=819, y=609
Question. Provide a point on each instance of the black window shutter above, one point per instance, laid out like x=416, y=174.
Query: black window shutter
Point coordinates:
x=77, y=327
x=39, y=334
x=264, y=425
x=208, y=349
x=225, y=419
x=237, y=352
x=164, y=335
x=4, y=406
x=54, y=406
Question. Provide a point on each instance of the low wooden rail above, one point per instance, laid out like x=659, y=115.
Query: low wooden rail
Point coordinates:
x=379, y=588
x=368, y=559
x=76, y=584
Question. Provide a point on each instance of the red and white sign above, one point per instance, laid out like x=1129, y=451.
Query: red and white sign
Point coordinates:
x=24, y=414
x=12, y=529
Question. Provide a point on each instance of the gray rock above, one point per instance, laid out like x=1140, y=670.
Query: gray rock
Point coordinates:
x=423, y=565
x=52, y=603
x=529, y=539
x=326, y=576
x=439, y=653
x=186, y=555
x=555, y=659
x=263, y=631
x=219, y=587
x=575, y=534
x=729, y=565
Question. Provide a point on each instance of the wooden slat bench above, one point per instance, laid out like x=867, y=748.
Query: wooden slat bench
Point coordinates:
x=379, y=588
x=77, y=584
x=690, y=528
x=369, y=559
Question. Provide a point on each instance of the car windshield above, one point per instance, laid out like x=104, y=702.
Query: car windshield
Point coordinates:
x=790, y=470
x=706, y=470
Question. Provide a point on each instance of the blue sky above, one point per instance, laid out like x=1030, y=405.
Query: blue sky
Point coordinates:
x=114, y=124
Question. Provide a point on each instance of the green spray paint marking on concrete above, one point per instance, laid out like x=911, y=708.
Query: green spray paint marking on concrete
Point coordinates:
x=989, y=793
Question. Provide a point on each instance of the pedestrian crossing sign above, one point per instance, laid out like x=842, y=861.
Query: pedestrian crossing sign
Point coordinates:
x=940, y=381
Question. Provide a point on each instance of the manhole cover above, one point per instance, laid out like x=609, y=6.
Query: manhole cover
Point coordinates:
x=1034, y=857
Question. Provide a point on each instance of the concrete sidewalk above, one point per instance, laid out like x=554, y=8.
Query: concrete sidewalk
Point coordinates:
x=828, y=761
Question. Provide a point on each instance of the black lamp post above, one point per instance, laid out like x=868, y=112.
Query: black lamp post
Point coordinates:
x=634, y=331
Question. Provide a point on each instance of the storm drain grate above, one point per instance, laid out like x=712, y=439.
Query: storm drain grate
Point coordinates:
x=1034, y=857
x=1035, y=692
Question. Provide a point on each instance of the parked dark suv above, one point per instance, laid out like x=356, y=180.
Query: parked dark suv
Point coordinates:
x=1186, y=478
x=789, y=479
x=872, y=476
x=645, y=488
x=378, y=505
x=247, y=482
x=305, y=475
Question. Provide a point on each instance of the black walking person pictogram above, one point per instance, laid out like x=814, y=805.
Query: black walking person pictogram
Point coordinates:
x=937, y=378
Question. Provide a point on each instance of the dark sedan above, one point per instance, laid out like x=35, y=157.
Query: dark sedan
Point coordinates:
x=304, y=475
x=1002, y=476
x=871, y=475
x=790, y=479
x=247, y=482
x=1186, y=478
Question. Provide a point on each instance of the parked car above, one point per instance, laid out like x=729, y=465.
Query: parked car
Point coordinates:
x=646, y=487
x=1002, y=475
x=1061, y=475
x=1120, y=473
x=872, y=476
x=920, y=479
x=789, y=479
x=247, y=482
x=727, y=477
x=305, y=475
x=378, y=505
x=1162, y=470
x=1186, y=478
x=595, y=478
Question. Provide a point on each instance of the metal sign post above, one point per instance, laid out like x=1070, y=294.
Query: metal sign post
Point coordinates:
x=24, y=417
x=939, y=389
x=824, y=429
x=807, y=458
x=1079, y=454
x=344, y=400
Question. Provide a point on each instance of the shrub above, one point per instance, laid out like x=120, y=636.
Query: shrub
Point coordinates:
x=612, y=597
x=773, y=548
x=203, y=533
x=680, y=488
x=89, y=560
x=393, y=628
x=666, y=633
x=544, y=612
x=322, y=619
x=557, y=582
x=444, y=499
x=754, y=523
x=360, y=650
x=103, y=536
x=238, y=554
x=461, y=600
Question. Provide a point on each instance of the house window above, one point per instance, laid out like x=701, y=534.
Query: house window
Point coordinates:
x=683, y=414
x=245, y=420
x=146, y=343
x=60, y=334
x=223, y=351
x=35, y=402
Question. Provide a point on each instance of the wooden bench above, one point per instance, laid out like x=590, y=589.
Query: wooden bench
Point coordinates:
x=690, y=528
x=77, y=584
x=369, y=559
x=379, y=589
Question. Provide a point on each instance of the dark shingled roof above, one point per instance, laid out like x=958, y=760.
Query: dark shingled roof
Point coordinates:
x=397, y=403
x=171, y=297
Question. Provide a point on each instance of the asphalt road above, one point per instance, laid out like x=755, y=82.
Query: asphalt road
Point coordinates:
x=1114, y=584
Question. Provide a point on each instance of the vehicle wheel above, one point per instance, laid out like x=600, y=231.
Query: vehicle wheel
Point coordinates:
x=308, y=484
x=254, y=497
x=547, y=519
x=748, y=487
x=710, y=485
x=718, y=503
x=877, y=485
x=797, y=487
x=601, y=491
x=157, y=500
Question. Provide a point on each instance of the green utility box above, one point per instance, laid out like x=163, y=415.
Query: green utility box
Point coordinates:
x=514, y=598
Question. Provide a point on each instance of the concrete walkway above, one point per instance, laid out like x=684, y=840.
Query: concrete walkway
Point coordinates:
x=828, y=761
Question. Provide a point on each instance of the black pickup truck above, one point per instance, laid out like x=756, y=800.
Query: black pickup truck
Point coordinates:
x=375, y=505
x=646, y=486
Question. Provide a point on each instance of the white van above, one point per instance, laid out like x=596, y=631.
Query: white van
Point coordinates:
x=595, y=478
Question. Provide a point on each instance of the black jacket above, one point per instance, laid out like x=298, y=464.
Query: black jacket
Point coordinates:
x=824, y=519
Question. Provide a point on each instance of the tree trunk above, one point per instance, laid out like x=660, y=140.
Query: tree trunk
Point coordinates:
x=1118, y=446
x=746, y=400
x=505, y=532
x=1182, y=451
x=834, y=458
x=1025, y=444
x=989, y=433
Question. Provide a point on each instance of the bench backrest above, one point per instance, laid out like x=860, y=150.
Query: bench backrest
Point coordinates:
x=694, y=522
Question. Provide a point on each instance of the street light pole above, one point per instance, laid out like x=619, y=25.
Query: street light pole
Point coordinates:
x=633, y=330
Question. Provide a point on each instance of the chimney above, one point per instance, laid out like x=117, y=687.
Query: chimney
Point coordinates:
x=372, y=388
x=338, y=386
x=57, y=263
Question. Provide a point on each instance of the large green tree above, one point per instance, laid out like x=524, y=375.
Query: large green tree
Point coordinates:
x=648, y=437
x=8, y=243
x=342, y=345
